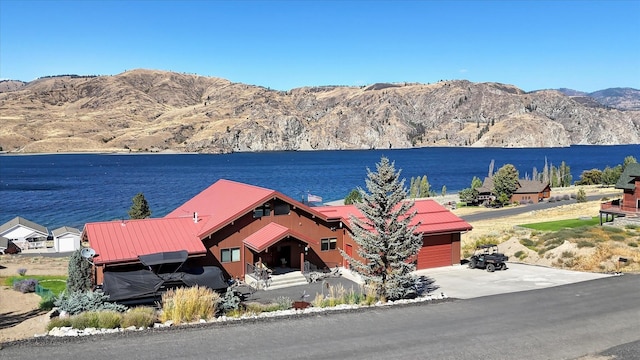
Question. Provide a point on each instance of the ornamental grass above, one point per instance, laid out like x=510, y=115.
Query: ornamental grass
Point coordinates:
x=140, y=317
x=189, y=304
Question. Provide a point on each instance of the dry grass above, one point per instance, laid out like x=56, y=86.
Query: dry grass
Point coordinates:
x=189, y=304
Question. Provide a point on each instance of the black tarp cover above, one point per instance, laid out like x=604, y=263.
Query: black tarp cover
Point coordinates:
x=169, y=257
x=139, y=284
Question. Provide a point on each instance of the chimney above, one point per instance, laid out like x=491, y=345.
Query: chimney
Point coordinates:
x=195, y=217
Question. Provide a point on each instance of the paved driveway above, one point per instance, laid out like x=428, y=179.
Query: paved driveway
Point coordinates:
x=455, y=281
x=464, y=283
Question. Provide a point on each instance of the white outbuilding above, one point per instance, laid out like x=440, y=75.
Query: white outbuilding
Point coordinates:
x=66, y=239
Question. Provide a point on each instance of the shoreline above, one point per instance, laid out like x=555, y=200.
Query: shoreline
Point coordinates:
x=179, y=152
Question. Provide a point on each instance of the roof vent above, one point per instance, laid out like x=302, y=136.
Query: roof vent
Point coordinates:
x=195, y=217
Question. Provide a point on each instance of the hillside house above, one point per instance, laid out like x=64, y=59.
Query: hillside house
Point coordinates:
x=237, y=226
x=527, y=191
x=629, y=204
x=25, y=234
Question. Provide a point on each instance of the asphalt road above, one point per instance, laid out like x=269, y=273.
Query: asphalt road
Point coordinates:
x=511, y=211
x=563, y=322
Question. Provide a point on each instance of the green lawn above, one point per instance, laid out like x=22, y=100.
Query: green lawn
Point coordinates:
x=56, y=284
x=562, y=224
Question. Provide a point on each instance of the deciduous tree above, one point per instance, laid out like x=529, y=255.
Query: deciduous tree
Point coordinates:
x=353, y=197
x=505, y=182
x=387, y=243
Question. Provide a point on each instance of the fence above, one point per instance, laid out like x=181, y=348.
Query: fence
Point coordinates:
x=43, y=291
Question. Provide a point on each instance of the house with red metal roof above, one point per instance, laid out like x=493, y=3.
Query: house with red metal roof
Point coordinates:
x=235, y=226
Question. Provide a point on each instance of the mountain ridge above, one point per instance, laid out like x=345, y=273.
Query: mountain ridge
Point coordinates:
x=151, y=110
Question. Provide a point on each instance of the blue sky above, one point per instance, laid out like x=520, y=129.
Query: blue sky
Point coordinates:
x=584, y=45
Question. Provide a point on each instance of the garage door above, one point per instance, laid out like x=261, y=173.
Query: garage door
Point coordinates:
x=434, y=254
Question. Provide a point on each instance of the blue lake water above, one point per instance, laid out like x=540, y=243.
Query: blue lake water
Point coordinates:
x=72, y=189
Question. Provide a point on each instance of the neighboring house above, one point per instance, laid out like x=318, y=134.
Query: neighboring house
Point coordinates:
x=235, y=226
x=629, y=205
x=66, y=239
x=528, y=191
x=25, y=234
x=7, y=246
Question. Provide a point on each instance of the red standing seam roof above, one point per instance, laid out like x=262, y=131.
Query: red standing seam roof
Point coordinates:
x=123, y=241
x=226, y=201
x=433, y=217
x=271, y=234
x=266, y=236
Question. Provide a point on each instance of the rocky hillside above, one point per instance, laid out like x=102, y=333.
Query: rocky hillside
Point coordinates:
x=145, y=110
x=618, y=98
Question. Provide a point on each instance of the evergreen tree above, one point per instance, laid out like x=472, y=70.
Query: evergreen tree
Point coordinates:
x=545, y=172
x=413, y=188
x=140, y=208
x=476, y=182
x=444, y=190
x=79, y=269
x=505, y=182
x=386, y=241
x=565, y=175
x=425, y=187
x=628, y=160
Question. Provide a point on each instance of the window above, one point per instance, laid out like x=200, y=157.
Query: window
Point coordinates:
x=328, y=244
x=281, y=208
x=230, y=255
x=261, y=211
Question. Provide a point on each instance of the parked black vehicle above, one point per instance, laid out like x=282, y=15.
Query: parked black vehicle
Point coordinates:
x=487, y=257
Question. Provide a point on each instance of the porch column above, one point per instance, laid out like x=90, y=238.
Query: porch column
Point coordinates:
x=302, y=262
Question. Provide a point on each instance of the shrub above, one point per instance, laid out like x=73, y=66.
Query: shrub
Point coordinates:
x=617, y=237
x=77, y=302
x=567, y=254
x=581, y=196
x=520, y=254
x=21, y=271
x=139, y=317
x=585, y=243
x=283, y=302
x=353, y=298
x=58, y=322
x=319, y=301
x=633, y=244
x=88, y=319
x=25, y=286
x=189, y=304
x=230, y=301
x=370, y=298
x=574, y=196
x=632, y=226
x=46, y=303
x=565, y=197
x=612, y=229
x=528, y=243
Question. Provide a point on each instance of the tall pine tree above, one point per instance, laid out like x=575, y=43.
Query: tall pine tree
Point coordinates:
x=386, y=241
x=140, y=208
x=79, y=270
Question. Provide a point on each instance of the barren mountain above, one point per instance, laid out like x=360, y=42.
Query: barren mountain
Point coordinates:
x=10, y=85
x=618, y=98
x=145, y=110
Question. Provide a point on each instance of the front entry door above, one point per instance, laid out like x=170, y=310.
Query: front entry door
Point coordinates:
x=285, y=256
